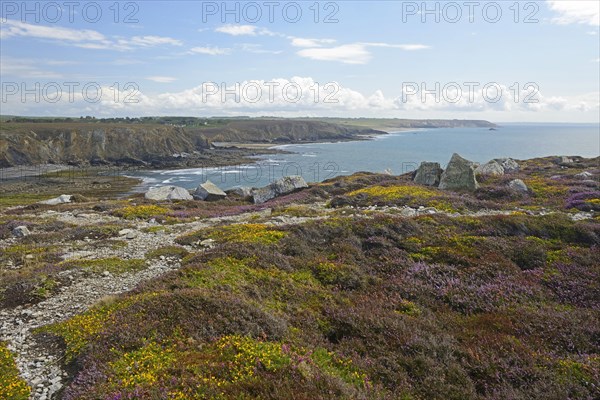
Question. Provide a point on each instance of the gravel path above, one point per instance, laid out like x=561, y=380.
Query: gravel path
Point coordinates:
x=40, y=364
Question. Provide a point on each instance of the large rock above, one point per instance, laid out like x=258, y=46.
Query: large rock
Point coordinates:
x=508, y=164
x=242, y=191
x=518, y=186
x=63, y=198
x=564, y=160
x=491, y=168
x=584, y=175
x=429, y=173
x=208, y=191
x=459, y=175
x=21, y=231
x=280, y=187
x=168, y=193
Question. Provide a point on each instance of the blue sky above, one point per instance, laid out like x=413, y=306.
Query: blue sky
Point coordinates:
x=373, y=59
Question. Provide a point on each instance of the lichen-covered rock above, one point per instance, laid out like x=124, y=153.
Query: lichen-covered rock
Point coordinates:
x=564, y=160
x=584, y=175
x=280, y=187
x=168, y=193
x=518, y=186
x=459, y=175
x=429, y=174
x=508, y=164
x=491, y=168
x=243, y=192
x=208, y=191
x=21, y=231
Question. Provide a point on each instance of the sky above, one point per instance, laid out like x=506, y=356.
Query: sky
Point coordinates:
x=503, y=61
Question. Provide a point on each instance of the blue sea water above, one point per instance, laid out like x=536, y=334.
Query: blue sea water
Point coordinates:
x=396, y=152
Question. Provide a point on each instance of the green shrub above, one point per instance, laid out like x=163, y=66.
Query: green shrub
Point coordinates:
x=167, y=251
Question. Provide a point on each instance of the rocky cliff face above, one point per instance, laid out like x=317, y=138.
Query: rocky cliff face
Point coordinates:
x=26, y=144
x=281, y=131
x=97, y=143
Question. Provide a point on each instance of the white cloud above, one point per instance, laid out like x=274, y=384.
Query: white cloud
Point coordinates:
x=29, y=69
x=12, y=28
x=161, y=79
x=147, y=41
x=61, y=62
x=347, y=54
x=126, y=61
x=576, y=11
x=237, y=30
x=407, y=47
x=355, y=53
x=257, y=49
x=304, y=42
x=314, y=48
x=596, y=60
x=343, y=101
x=84, y=38
x=243, y=30
x=211, y=51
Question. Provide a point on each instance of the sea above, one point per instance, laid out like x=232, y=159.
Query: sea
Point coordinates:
x=395, y=153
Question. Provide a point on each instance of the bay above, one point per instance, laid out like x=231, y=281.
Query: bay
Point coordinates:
x=397, y=153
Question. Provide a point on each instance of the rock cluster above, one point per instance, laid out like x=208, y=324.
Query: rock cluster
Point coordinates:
x=280, y=187
x=498, y=167
x=508, y=164
x=168, y=193
x=461, y=174
x=208, y=191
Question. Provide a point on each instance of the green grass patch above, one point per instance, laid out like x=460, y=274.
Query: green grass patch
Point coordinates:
x=239, y=233
x=141, y=211
x=154, y=229
x=167, y=251
x=113, y=265
x=21, y=199
x=395, y=193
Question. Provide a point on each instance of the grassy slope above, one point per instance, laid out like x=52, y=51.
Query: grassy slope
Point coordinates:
x=363, y=304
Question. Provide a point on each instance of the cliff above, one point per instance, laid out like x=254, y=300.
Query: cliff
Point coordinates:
x=32, y=143
x=61, y=141
x=26, y=144
x=284, y=130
